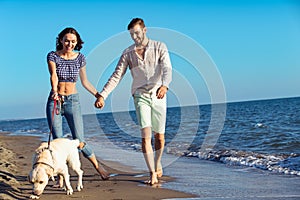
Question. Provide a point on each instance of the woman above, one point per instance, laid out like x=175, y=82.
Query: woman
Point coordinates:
x=65, y=65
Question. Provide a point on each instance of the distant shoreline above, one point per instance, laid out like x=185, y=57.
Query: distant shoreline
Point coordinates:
x=107, y=112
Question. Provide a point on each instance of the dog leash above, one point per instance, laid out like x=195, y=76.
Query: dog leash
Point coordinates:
x=54, y=111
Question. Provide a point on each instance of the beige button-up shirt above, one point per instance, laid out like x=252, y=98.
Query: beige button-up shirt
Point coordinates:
x=148, y=74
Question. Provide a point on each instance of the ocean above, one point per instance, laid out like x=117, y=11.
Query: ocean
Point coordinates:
x=254, y=139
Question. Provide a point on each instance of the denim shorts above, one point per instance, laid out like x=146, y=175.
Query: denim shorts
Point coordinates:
x=71, y=110
x=151, y=112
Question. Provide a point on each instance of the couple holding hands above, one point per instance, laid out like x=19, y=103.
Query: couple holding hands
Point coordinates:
x=151, y=71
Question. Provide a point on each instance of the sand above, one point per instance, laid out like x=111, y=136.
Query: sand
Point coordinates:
x=16, y=162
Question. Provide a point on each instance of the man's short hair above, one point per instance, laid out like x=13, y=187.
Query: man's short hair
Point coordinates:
x=134, y=22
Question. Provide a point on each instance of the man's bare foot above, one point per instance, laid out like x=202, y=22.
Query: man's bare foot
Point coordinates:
x=159, y=172
x=152, y=179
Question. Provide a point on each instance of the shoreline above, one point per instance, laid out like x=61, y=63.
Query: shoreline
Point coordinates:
x=16, y=162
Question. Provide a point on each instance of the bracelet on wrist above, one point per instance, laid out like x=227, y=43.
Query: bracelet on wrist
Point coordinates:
x=97, y=95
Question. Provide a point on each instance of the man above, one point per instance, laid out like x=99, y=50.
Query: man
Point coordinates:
x=151, y=71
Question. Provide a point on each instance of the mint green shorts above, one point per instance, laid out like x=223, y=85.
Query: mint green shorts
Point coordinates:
x=151, y=112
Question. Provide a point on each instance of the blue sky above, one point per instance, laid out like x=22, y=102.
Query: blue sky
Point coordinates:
x=255, y=45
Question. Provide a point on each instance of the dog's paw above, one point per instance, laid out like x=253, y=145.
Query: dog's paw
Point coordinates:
x=79, y=188
x=34, y=196
x=70, y=191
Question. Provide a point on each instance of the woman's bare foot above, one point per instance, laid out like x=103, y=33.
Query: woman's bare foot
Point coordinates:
x=152, y=179
x=102, y=172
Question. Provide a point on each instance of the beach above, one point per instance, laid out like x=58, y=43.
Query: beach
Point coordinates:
x=206, y=180
x=256, y=156
x=16, y=162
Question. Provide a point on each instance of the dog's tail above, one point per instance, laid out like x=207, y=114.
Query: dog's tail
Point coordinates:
x=76, y=142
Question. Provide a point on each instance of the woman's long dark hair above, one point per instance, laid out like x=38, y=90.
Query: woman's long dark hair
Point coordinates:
x=59, y=45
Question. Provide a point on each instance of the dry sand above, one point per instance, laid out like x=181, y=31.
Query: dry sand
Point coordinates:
x=16, y=162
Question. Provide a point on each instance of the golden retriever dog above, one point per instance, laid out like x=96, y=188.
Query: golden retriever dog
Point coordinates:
x=48, y=162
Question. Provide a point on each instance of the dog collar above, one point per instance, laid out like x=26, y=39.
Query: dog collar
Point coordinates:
x=43, y=164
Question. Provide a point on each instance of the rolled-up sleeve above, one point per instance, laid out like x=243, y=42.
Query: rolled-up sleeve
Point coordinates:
x=116, y=77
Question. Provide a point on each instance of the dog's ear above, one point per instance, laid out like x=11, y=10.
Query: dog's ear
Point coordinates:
x=49, y=172
x=41, y=148
x=29, y=178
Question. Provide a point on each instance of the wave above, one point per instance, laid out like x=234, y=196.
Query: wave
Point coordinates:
x=287, y=164
x=277, y=163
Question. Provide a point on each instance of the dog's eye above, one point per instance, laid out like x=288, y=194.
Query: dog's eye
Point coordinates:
x=41, y=182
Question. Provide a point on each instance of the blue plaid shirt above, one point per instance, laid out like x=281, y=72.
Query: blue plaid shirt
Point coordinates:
x=67, y=70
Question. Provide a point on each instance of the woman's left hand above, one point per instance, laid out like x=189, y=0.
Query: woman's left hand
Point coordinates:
x=99, y=103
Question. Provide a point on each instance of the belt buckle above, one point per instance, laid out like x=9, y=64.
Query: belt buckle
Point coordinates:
x=62, y=99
